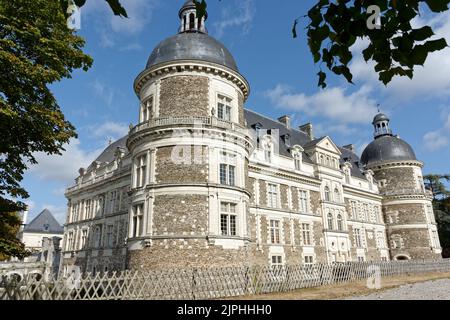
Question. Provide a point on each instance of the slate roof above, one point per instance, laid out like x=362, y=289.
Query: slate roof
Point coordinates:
x=297, y=137
x=45, y=222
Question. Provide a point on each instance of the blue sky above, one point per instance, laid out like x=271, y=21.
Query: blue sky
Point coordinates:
x=101, y=102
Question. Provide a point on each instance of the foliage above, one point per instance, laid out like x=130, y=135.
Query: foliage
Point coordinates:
x=10, y=246
x=115, y=5
x=441, y=205
x=36, y=49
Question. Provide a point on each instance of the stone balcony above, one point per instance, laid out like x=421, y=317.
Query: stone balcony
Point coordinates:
x=189, y=120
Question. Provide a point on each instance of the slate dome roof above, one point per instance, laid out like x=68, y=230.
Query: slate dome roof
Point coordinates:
x=192, y=46
x=387, y=148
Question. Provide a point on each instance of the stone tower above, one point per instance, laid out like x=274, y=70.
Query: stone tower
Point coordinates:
x=190, y=151
x=407, y=207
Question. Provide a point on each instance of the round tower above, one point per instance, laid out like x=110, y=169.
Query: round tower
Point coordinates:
x=407, y=205
x=189, y=203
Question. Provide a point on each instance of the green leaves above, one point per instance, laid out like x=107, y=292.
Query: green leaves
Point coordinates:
x=438, y=5
x=201, y=8
x=117, y=8
x=396, y=48
x=42, y=52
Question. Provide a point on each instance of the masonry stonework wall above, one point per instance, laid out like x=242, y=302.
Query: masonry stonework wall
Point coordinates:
x=184, y=96
x=315, y=202
x=179, y=215
x=416, y=244
x=397, y=179
x=169, y=171
x=405, y=214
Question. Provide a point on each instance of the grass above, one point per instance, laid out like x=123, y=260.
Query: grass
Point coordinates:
x=339, y=291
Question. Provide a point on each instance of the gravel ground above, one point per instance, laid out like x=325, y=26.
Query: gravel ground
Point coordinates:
x=430, y=290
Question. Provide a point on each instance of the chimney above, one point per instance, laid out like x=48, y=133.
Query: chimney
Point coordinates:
x=308, y=129
x=286, y=120
x=350, y=147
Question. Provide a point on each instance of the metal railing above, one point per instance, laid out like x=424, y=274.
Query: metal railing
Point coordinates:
x=205, y=283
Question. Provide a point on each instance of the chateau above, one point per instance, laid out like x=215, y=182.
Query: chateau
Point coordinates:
x=202, y=181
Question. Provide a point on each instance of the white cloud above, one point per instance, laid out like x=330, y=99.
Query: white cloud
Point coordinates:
x=239, y=15
x=139, y=13
x=63, y=168
x=110, y=129
x=333, y=103
x=103, y=91
x=435, y=140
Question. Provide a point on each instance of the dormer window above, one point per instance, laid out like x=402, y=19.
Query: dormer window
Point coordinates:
x=267, y=146
x=224, y=108
x=296, y=152
x=287, y=140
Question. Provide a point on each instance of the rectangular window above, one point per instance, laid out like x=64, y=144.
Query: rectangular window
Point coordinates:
x=88, y=209
x=303, y=201
x=227, y=170
x=272, y=200
x=141, y=171
x=228, y=219
x=365, y=212
x=224, y=108
x=354, y=208
x=147, y=110
x=277, y=261
x=358, y=238
x=309, y=260
x=98, y=237
x=431, y=214
x=306, y=234
x=84, y=235
x=70, y=242
x=109, y=235
x=275, y=232
x=138, y=217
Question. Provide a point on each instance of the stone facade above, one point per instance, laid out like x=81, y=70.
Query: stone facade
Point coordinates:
x=219, y=193
x=184, y=96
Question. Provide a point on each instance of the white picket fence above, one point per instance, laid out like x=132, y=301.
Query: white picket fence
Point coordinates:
x=205, y=283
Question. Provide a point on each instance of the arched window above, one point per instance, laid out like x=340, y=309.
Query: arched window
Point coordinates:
x=192, y=21
x=184, y=23
x=337, y=195
x=340, y=224
x=330, y=221
x=327, y=194
x=322, y=159
x=328, y=162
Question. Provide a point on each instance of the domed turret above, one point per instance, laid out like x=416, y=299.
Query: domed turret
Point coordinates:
x=385, y=147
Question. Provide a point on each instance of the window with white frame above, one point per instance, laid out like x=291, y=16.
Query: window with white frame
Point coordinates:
x=354, y=208
x=303, y=201
x=306, y=234
x=380, y=240
x=276, y=261
x=297, y=155
x=337, y=195
x=327, y=194
x=70, y=241
x=309, y=260
x=272, y=198
x=275, y=231
x=98, y=236
x=223, y=108
x=109, y=236
x=112, y=201
x=228, y=219
x=358, y=237
x=340, y=222
x=84, y=238
x=330, y=221
x=88, y=214
x=137, y=220
x=227, y=168
x=141, y=171
x=366, y=212
x=147, y=109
